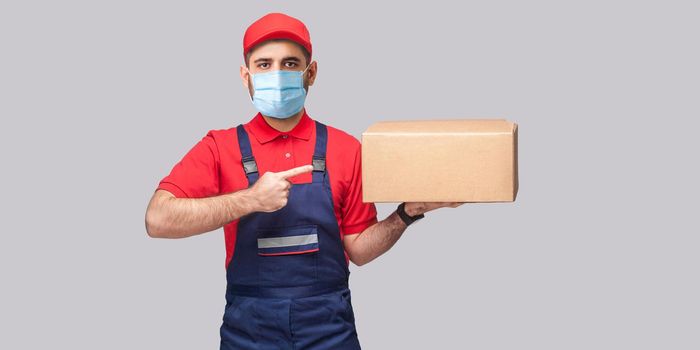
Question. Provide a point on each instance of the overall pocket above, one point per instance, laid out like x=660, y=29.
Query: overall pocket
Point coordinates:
x=288, y=256
x=288, y=240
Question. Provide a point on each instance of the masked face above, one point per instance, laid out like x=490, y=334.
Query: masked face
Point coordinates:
x=280, y=93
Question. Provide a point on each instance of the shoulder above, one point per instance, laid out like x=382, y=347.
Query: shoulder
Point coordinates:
x=343, y=153
x=221, y=142
x=342, y=140
x=222, y=137
x=221, y=134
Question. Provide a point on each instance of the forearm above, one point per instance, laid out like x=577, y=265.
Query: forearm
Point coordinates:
x=184, y=217
x=376, y=239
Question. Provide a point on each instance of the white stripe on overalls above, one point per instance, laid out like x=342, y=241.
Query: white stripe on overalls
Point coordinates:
x=277, y=242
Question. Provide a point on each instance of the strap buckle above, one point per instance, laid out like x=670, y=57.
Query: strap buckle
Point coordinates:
x=319, y=163
x=249, y=165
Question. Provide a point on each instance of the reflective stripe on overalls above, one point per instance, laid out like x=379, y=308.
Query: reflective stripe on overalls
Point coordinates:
x=287, y=282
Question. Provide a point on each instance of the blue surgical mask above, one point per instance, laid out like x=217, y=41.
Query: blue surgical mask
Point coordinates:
x=279, y=94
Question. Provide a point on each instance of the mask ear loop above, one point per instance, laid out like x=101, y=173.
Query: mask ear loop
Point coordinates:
x=307, y=67
x=251, y=81
x=304, y=73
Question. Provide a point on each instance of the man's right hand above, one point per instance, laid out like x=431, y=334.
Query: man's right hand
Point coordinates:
x=272, y=189
x=171, y=217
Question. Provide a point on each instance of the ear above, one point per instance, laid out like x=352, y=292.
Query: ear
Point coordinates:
x=245, y=75
x=313, y=69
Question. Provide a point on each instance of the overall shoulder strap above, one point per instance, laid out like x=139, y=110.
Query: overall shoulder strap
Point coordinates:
x=319, y=158
x=249, y=165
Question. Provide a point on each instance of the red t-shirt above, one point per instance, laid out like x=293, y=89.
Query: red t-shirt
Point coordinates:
x=213, y=167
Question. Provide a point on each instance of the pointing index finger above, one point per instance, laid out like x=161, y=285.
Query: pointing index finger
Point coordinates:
x=296, y=171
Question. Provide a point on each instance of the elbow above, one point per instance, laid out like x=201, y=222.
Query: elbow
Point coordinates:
x=359, y=260
x=355, y=250
x=157, y=215
x=151, y=230
x=154, y=228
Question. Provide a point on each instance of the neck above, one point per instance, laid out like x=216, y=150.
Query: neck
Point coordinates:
x=287, y=124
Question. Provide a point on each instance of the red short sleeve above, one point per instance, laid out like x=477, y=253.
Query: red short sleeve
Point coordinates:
x=357, y=215
x=196, y=175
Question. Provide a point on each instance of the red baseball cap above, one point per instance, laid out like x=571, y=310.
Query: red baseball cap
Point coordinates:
x=276, y=26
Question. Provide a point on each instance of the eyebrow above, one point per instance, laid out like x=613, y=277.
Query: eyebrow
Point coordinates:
x=286, y=59
x=262, y=60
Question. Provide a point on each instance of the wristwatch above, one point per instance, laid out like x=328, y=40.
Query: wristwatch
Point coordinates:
x=407, y=219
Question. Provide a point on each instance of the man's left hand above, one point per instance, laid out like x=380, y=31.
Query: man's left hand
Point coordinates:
x=417, y=208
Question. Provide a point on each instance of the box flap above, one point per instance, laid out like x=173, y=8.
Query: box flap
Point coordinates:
x=461, y=126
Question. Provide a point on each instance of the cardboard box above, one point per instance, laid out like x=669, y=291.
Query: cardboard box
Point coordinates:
x=448, y=160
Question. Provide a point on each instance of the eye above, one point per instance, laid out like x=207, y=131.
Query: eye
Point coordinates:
x=290, y=64
x=264, y=65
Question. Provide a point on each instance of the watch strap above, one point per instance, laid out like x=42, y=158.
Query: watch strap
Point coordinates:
x=407, y=219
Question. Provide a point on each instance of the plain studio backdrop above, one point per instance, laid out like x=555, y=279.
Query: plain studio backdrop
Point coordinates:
x=100, y=99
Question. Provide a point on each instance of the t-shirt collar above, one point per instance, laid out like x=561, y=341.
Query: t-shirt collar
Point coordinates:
x=263, y=132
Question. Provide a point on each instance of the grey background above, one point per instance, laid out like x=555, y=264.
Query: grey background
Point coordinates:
x=600, y=251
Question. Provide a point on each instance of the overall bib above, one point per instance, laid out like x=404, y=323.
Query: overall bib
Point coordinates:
x=287, y=282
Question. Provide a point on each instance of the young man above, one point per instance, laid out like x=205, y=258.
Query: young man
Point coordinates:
x=287, y=190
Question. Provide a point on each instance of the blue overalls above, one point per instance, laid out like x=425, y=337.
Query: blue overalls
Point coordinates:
x=287, y=282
